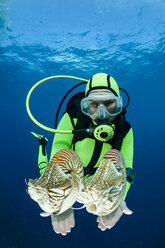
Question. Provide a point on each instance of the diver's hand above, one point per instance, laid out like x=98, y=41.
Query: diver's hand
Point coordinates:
x=63, y=223
x=108, y=221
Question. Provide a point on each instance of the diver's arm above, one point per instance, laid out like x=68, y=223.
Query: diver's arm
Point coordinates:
x=62, y=141
x=127, y=152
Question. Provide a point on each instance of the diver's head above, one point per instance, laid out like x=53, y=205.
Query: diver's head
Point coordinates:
x=102, y=81
x=102, y=99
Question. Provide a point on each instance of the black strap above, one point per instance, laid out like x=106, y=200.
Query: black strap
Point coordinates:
x=90, y=84
x=43, y=141
x=108, y=81
x=96, y=154
x=44, y=150
x=109, y=85
x=122, y=127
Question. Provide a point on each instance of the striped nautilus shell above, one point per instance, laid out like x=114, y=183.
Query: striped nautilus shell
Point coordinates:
x=57, y=188
x=103, y=192
x=61, y=184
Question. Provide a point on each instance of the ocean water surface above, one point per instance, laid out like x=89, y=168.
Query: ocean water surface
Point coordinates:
x=125, y=39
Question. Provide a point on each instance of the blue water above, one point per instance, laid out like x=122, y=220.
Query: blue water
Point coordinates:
x=50, y=37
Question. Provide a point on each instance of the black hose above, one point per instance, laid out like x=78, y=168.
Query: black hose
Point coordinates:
x=63, y=99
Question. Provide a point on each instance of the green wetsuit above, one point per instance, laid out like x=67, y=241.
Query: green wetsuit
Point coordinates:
x=85, y=147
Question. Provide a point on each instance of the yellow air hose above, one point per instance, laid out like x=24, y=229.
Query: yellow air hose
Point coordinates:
x=28, y=99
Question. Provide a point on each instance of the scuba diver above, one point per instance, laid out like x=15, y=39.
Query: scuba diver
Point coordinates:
x=97, y=119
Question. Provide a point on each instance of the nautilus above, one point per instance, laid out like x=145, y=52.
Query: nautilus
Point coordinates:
x=62, y=184
x=57, y=188
x=103, y=192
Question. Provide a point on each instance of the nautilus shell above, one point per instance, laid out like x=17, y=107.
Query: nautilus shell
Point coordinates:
x=103, y=192
x=56, y=189
x=61, y=184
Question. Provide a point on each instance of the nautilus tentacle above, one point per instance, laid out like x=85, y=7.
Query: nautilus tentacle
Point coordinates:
x=103, y=192
x=56, y=189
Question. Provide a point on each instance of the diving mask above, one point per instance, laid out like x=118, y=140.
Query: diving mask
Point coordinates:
x=101, y=106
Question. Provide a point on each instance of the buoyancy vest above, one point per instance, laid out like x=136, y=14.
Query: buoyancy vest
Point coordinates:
x=122, y=127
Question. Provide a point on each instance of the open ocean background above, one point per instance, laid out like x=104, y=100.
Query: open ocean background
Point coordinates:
x=41, y=38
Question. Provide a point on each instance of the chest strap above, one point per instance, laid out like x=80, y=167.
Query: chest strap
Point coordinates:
x=96, y=154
